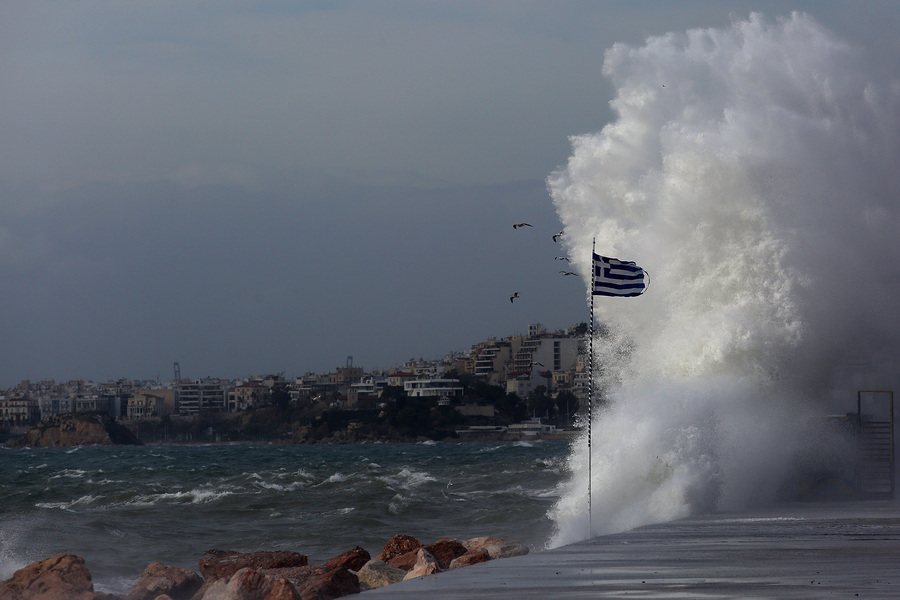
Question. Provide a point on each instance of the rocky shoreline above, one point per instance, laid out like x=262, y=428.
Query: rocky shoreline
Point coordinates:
x=264, y=575
x=78, y=429
x=84, y=429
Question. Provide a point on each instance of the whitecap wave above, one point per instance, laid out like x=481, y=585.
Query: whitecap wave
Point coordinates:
x=70, y=505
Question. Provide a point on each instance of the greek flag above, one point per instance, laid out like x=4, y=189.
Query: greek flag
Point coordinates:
x=614, y=277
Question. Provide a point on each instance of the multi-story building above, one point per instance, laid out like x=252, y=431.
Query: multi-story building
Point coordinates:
x=146, y=405
x=539, y=359
x=442, y=388
x=51, y=406
x=94, y=404
x=398, y=378
x=19, y=411
x=365, y=393
x=200, y=395
x=346, y=375
x=492, y=360
x=248, y=395
x=464, y=365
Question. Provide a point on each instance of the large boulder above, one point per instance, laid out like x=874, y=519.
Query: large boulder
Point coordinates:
x=471, y=557
x=223, y=564
x=397, y=545
x=425, y=565
x=159, y=579
x=78, y=429
x=250, y=584
x=329, y=585
x=405, y=561
x=281, y=590
x=377, y=573
x=445, y=551
x=351, y=559
x=61, y=577
x=496, y=547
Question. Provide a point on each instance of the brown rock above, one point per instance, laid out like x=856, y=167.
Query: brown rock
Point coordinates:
x=248, y=584
x=397, y=545
x=212, y=590
x=352, y=560
x=61, y=577
x=281, y=590
x=481, y=542
x=497, y=547
x=405, y=561
x=78, y=429
x=377, y=573
x=425, y=565
x=199, y=594
x=445, y=550
x=471, y=557
x=506, y=550
x=158, y=579
x=295, y=575
x=220, y=564
x=329, y=585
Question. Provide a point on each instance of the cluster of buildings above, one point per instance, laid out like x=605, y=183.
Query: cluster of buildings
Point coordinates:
x=518, y=363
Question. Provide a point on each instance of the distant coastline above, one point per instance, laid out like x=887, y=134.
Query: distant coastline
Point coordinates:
x=88, y=429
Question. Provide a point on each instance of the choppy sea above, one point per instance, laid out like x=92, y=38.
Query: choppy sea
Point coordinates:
x=121, y=508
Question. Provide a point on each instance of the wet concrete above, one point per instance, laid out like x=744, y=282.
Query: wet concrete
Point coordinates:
x=835, y=550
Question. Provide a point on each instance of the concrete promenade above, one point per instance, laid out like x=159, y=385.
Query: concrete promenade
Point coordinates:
x=831, y=550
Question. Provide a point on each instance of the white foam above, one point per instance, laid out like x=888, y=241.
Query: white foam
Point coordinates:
x=751, y=172
x=193, y=496
x=71, y=504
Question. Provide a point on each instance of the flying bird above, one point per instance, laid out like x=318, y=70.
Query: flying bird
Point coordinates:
x=556, y=236
x=568, y=273
x=517, y=225
x=514, y=296
x=565, y=258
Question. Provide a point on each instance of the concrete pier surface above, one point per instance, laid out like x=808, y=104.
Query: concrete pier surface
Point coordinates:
x=816, y=550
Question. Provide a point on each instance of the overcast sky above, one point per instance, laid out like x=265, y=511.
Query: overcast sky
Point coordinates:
x=255, y=187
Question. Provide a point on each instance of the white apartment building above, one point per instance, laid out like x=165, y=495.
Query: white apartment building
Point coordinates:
x=442, y=388
x=537, y=357
x=200, y=395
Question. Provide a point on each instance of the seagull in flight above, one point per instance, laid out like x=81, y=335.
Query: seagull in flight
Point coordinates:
x=514, y=296
x=568, y=273
x=565, y=258
x=556, y=236
x=517, y=225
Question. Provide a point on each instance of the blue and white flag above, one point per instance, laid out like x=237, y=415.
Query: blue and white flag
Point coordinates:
x=614, y=277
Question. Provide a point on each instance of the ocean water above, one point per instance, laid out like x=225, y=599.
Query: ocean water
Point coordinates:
x=122, y=507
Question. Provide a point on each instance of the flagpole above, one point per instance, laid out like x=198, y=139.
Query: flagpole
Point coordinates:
x=591, y=390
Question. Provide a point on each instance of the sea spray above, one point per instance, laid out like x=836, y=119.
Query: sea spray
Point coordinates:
x=750, y=171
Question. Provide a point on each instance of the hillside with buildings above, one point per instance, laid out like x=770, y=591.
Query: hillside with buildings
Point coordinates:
x=520, y=385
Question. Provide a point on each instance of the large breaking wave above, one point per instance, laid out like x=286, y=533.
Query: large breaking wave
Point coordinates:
x=752, y=172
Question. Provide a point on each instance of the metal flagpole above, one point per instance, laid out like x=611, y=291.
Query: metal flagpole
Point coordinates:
x=591, y=390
